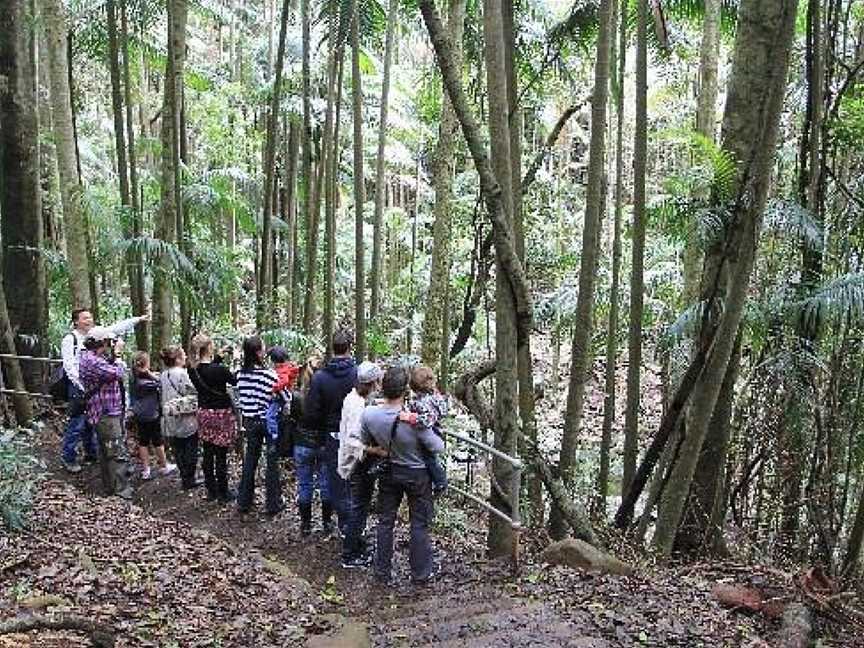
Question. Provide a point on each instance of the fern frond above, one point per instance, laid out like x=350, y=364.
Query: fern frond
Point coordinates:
x=154, y=249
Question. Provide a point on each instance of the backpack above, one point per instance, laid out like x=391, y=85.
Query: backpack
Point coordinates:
x=58, y=382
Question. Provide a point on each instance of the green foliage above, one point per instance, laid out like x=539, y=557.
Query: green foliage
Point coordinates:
x=20, y=473
x=839, y=298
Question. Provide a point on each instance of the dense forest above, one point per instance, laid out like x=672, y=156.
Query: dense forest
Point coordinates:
x=627, y=235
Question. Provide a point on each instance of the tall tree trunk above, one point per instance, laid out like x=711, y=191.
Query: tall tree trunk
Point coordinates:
x=615, y=288
x=265, y=284
x=580, y=362
x=359, y=189
x=706, y=124
x=524, y=361
x=139, y=298
x=21, y=227
x=750, y=125
x=331, y=160
x=14, y=378
x=434, y=346
x=701, y=525
x=74, y=220
x=501, y=538
x=380, y=178
x=166, y=226
x=291, y=149
x=637, y=263
x=310, y=222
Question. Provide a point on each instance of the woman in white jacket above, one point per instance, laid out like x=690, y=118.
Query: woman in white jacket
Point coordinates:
x=352, y=451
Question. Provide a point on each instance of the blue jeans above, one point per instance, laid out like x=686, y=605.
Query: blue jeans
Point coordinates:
x=339, y=495
x=77, y=429
x=309, y=464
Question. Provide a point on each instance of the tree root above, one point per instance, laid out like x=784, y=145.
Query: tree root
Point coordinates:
x=101, y=636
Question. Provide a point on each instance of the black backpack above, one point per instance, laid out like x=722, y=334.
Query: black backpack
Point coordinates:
x=58, y=382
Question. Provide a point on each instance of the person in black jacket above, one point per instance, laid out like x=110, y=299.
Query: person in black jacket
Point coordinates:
x=323, y=412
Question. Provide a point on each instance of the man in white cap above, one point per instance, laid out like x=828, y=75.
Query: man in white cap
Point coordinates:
x=101, y=375
x=77, y=429
x=352, y=451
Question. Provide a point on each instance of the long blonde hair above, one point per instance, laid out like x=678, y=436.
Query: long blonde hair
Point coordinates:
x=199, y=347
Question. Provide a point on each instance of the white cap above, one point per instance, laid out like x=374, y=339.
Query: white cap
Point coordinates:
x=100, y=334
x=368, y=372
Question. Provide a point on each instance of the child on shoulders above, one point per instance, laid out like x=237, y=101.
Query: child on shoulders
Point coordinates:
x=426, y=407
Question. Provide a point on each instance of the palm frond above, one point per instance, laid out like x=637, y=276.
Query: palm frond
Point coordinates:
x=154, y=249
x=689, y=321
x=842, y=297
x=789, y=217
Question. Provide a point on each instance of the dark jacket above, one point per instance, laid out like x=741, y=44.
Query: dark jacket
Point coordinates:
x=211, y=380
x=322, y=407
x=144, y=397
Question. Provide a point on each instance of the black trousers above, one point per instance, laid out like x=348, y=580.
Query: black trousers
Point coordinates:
x=360, y=489
x=413, y=483
x=186, y=456
x=215, y=465
x=256, y=439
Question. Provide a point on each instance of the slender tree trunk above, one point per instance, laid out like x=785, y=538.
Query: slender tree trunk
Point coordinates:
x=434, y=345
x=637, y=264
x=139, y=298
x=21, y=229
x=524, y=361
x=265, y=285
x=331, y=152
x=753, y=106
x=380, y=178
x=311, y=223
x=359, y=189
x=291, y=149
x=74, y=221
x=706, y=124
x=166, y=226
x=580, y=363
x=615, y=288
x=501, y=538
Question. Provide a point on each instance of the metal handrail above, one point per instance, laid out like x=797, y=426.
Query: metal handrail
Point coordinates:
x=514, y=494
x=11, y=356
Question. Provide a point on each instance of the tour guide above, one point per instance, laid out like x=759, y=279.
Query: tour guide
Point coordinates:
x=101, y=375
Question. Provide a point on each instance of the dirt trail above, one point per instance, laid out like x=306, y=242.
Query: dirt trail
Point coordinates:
x=472, y=603
x=467, y=605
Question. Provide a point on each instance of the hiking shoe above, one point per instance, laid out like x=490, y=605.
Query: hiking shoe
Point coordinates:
x=146, y=474
x=227, y=497
x=356, y=562
x=90, y=459
x=168, y=469
x=71, y=466
x=127, y=493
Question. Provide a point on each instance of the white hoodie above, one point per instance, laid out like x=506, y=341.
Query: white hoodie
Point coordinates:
x=351, y=446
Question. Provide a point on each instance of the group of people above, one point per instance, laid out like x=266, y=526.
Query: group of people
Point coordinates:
x=350, y=429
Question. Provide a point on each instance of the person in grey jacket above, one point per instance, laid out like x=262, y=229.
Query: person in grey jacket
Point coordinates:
x=407, y=477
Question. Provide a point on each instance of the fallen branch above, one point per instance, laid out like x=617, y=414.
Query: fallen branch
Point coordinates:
x=100, y=635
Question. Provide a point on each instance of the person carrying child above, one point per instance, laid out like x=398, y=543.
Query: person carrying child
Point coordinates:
x=146, y=408
x=281, y=403
x=426, y=407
